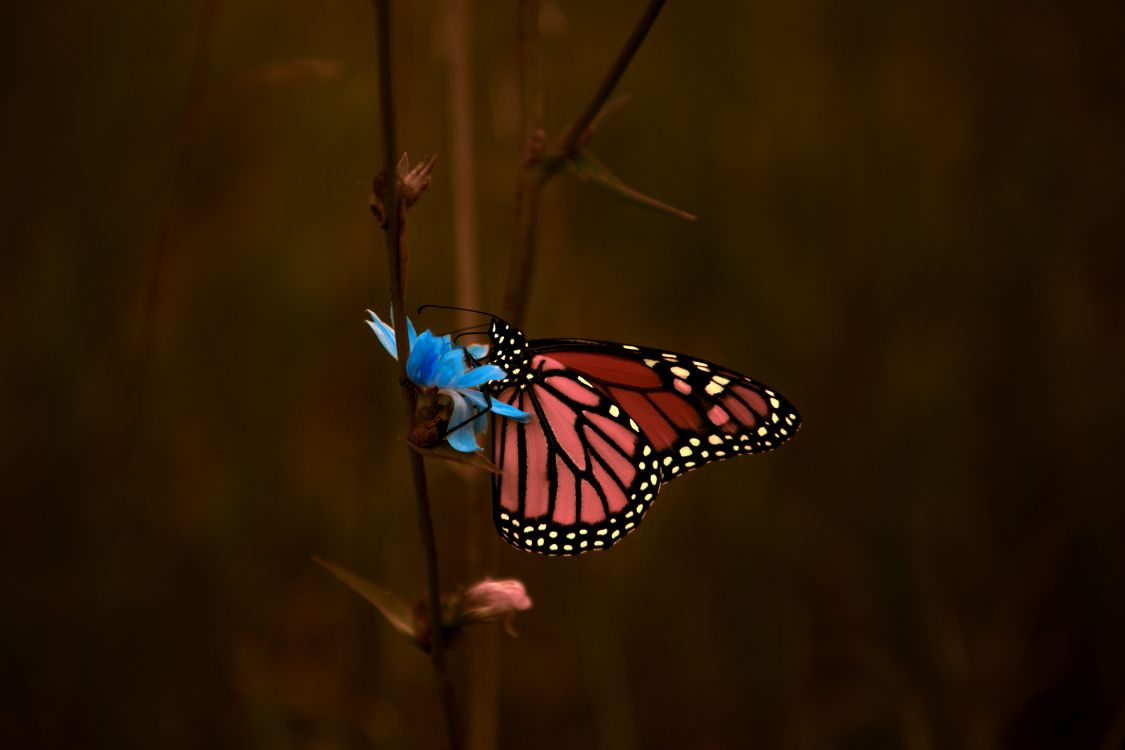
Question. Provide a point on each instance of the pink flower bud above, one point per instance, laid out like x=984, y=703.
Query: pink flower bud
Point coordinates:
x=490, y=600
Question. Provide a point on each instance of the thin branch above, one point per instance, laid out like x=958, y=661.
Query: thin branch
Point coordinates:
x=528, y=183
x=524, y=252
x=462, y=166
x=535, y=171
x=480, y=685
x=397, y=260
x=529, y=54
x=572, y=141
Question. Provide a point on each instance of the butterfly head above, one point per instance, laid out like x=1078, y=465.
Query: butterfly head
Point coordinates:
x=508, y=349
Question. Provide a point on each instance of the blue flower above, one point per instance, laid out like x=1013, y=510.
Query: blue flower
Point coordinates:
x=436, y=362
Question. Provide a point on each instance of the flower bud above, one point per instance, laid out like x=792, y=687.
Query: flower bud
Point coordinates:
x=411, y=183
x=491, y=600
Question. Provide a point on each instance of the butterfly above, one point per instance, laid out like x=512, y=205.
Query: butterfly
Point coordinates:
x=610, y=425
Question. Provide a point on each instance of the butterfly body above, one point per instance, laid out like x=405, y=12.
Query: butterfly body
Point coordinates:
x=610, y=425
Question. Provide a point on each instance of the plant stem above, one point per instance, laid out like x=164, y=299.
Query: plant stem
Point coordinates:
x=525, y=241
x=535, y=171
x=572, y=141
x=397, y=261
x=462, y=167
x=481, y=673
x=524, y=252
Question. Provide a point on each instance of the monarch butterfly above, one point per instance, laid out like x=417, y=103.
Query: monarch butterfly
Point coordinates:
x=610, y=425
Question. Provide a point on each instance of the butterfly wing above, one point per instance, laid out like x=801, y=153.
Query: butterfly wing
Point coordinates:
x=580, y=475
x=691, y=411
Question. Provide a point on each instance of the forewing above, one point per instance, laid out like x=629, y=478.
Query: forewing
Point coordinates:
x=691, y=411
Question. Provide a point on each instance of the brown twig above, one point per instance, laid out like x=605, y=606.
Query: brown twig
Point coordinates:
x=528, y=184
x=397, y=261
x=481, y=673
x=462, y=166
x=572, y=141
x=536, y=167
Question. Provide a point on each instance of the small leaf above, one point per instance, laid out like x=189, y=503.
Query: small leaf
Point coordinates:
x=396, y=611
x=445, y=453
x=588, y=168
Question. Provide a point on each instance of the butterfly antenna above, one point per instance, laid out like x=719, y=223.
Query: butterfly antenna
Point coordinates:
x=468, y=329
x=467, y=332
x=454, y=307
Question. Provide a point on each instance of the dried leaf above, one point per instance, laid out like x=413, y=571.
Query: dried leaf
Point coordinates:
x=396, y=611
x=588, y=168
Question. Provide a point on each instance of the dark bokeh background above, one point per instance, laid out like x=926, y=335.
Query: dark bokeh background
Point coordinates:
x=910, y=223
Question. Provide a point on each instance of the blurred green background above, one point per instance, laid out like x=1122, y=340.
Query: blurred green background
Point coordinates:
x=910, y=223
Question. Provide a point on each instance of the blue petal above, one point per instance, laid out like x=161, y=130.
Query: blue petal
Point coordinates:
x=384, y=332
x=475, y=396
x=450, y=368
x=423, y=361
x=462, y=438
x=479, y=376
x=478, y=351
x=501, y=409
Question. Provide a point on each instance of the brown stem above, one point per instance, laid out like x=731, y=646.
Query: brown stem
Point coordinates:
x=397, y=261
x=529, y=66
x=462, y=167
x=572, y=141
x=535, y=171
x=481, y=673
x=524, y=252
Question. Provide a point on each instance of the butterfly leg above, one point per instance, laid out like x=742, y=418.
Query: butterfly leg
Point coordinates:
x=476, y=415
